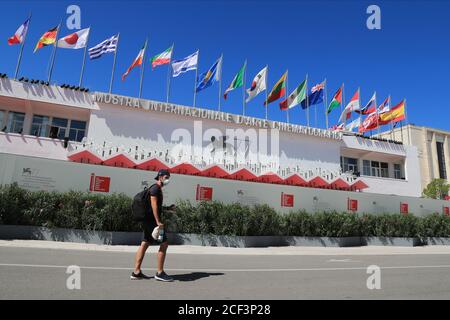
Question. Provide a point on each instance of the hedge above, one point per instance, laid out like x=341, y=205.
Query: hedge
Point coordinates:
x=83, y=210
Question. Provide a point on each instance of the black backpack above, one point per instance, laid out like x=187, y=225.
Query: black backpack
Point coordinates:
x=141, y=206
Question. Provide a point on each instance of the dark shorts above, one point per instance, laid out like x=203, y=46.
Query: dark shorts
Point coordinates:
x=147, y=228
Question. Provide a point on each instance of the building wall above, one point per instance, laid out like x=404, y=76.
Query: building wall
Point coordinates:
x=44, y=174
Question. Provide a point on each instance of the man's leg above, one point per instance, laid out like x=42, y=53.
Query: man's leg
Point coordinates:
x=140, y=256
x=162, y=256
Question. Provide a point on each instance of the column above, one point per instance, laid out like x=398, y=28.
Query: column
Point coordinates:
x=447, y=156
x=426, y=162
x=434, y=158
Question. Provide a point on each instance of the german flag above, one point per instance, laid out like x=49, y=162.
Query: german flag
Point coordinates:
x=47, y=39
x=396, y=114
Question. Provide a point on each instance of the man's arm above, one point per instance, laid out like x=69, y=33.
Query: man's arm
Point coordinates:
x=154, y=203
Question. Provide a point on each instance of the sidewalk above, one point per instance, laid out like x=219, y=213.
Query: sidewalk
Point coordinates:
x=309, y=251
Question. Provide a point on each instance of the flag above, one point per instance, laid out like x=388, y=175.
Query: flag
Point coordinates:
x=206, y=79
x=137, y=62
x=259, y=84
x=296, y=97
x=278, y=90
x=353, y=105
x=238, y=81
x=370, y=123
x=337, y=100
x=337, y=127
x=162, y=58
x=370, y=107
x=385, y=106
x=21, y=33
x=107, y=46
x=77, y=40
x=353, y=125
x=184, y=65
x=396, y=114
x=47, y=39
x=315, y=96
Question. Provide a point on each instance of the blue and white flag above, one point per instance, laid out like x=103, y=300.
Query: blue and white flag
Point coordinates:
x=184, y=65
x=106, y=46
x=206, y=79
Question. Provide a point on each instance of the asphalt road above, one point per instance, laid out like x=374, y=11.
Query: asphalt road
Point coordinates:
x=32, y=273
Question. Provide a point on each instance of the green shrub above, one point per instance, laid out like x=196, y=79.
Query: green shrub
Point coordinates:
x=435, y=225
x=336, y=224
x=391, y=225
x=299, y=224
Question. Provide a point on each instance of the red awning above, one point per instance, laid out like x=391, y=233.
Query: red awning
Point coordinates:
x=85, y=156
x=242, y=174
x=119, y=160
x=214, y=172
x=318, y=182
x=270, y=178
x=339, y=184
x=152, y=164
x=296, y=180
x=359, y=185
x=185, y=168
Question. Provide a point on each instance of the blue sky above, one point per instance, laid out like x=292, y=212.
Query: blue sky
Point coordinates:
x=407, y=58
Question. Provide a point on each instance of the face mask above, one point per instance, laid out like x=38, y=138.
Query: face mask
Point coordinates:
x=166, y=182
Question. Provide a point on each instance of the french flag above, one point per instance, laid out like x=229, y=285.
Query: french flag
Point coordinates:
x=20, y=34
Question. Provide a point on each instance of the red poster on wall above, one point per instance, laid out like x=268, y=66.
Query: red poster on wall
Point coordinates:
x=352, y=205
x=447, y=211
x=404, y=208
x=99, y=184
x=203, y=193
x=287, y=200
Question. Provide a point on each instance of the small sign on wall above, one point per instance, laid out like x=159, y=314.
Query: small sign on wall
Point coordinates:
x=203, y=193
x=404, y=208
x=352, y=205
x=99, y=184
x=446, y=211
x=287, y=200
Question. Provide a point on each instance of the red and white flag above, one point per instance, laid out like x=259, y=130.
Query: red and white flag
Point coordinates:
x=77, y=40
x=353, y=105
x=137, y=62
x=20, y=34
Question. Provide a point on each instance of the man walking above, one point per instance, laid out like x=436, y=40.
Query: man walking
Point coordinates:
x=152, y=220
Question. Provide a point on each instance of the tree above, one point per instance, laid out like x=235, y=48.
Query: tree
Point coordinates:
x=436, y=189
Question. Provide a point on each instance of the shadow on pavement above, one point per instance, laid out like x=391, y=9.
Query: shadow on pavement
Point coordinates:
x=194, y=276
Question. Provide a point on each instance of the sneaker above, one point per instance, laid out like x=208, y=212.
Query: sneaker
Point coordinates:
x=139, y=276
x=163, y=277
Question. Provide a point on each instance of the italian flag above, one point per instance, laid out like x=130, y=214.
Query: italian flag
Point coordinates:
x=47, y=39
x=137, y=62
x=295, y=98
x=162, y=58
x=337, y=100
x=237, y=81
x=278, y=90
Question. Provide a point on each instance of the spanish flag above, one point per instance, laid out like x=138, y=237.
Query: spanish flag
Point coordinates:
x=47, y=39
x=396, y=114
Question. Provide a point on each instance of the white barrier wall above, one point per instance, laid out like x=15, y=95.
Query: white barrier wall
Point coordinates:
x=44, y=174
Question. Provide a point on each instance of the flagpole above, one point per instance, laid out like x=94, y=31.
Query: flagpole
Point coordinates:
x=243, y=87
x=359, y=103
x=326, y=104
x=21, y=48
x=307, y=102
x=169, y=73
x=286, y=95
x=267, y=105
x=114, y=64
x=196, y=75
x=220, y=80
x=54, y=53
x=143, y=69
x=84, y=58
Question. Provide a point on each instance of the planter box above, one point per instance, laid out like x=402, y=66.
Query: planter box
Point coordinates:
x=323, y=241
x=391, y=241
x=69, y=235
x=437, y=241
x=225, y=241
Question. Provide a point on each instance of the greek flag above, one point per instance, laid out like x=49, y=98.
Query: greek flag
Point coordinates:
x=106, y=46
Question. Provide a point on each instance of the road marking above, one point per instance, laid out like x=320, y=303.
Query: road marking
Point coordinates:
x=226, y=270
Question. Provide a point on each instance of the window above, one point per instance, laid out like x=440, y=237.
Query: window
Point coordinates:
x=58, y=129
x=375, y=169
x=397, y=171
x=77, y=130
x=349, y=164
x=384, y=169
x=366, y=167
x=2, y=117
x=441, y=160
x=15, y=122
x=40, y=126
